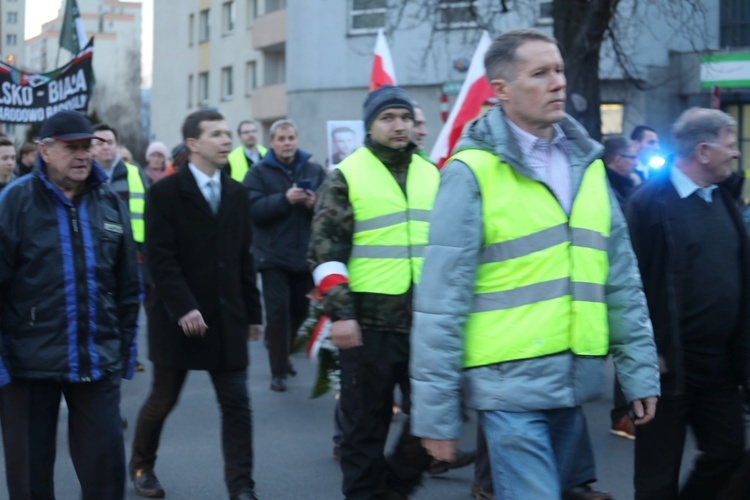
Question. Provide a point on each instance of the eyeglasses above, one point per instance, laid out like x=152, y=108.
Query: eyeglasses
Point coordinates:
x=629, y=157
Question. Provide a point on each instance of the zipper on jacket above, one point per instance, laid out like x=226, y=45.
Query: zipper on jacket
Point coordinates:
x=81, y=297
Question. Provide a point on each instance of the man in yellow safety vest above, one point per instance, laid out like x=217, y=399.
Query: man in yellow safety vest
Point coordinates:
x=369, y=229
x=529, y=282
x=248, y=153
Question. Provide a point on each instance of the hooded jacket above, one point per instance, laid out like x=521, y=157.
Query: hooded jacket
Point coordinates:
x=281, y=231
x=69, y=281
x=444, y=300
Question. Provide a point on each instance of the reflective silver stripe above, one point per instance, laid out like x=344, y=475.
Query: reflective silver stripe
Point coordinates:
x=386, y=252
x=380, y=252
x=589, y=239
x=417, y=250
x=588, y=292
x=525, y=245
x=419, y=215
x=380, y=222
x=137, y=196
x=521, y=296
x=414, y=214
x=136, y=216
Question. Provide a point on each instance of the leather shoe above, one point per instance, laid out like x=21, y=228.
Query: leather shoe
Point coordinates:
x=245, y=495
x=291, y=370
x=462, y=459
x=146, y=484
x=278, y=384
x=585, y=492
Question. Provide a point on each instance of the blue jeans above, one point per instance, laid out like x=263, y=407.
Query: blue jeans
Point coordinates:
x=538, y=454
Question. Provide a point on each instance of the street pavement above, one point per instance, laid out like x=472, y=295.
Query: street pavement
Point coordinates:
x=293, y=444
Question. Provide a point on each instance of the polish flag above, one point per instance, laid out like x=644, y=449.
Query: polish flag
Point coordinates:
x=474, y=93
x=382, y=64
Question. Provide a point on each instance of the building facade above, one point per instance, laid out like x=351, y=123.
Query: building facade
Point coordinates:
x=12, y=34
x=116, y=28
x=310, y=59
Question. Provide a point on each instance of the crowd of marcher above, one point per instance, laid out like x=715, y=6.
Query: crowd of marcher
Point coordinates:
x=501, y=283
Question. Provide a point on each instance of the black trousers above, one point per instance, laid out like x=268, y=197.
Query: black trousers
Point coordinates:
x=286, y=303
x=620, y=406
x=369, y=374
x=29, y=411
x=715, y=418
x=236, y=423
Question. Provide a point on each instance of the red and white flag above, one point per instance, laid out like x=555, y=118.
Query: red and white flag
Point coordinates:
x=474, y=93
x=382, y=64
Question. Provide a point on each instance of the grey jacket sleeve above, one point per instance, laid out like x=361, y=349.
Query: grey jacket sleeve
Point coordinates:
x=631, y=335
x=443, y=301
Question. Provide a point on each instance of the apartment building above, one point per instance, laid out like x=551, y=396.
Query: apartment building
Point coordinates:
x=116, y=28
x=310, y=59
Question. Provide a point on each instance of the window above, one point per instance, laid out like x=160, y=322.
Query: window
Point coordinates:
x=227, y=17
x=12, y=17
x=366, y=16
x=735, y=23
x=274, y=70
x=11, y=39
x=252, y=12
x=544, y=16
x=203, y=89
x=227, y=83
x=611, y=115
x=191, y=29
x=251, y=78
x=190, y=91
x=274, y=5
x=457, y=14
x=204, y=26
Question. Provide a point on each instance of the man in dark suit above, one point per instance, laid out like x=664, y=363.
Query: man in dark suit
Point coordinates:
x=206, y=304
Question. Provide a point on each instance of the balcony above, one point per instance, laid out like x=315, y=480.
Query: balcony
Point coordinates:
x=270, y=103
x=269, y=30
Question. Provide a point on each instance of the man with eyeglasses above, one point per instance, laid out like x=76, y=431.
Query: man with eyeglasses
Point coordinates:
x=693, y=255
x=68, y=316
x=620, y=158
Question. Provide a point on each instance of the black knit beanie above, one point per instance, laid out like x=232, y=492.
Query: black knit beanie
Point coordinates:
x=382, y=98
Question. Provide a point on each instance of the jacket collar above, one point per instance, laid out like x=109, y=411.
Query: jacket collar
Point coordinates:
x=300, y=158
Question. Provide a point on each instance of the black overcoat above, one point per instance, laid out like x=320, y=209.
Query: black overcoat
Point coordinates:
x=200, y=261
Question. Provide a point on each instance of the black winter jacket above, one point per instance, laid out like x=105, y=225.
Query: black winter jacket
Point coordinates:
x=652, y=213
x=281, y=231
x=69, y=281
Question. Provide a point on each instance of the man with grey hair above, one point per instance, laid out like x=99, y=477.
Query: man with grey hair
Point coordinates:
x=528, y=283
x=282, y=195
x=68, y=316
x=692, y=250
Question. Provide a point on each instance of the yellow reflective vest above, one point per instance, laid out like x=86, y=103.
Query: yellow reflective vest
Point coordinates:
x=136, y=203
x=238, y=161
x=539, y=288
x=390, y=229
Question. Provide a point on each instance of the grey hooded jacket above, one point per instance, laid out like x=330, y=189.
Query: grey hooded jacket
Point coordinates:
x=444, y=297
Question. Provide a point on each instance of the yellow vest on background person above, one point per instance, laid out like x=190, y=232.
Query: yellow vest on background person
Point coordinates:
x=238, y=161
x=136, y=203
x=539, y=287
x=390, y=231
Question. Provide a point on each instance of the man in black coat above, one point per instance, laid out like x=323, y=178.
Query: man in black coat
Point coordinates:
x=206, y=304
x=693, y=255
x=282, y=196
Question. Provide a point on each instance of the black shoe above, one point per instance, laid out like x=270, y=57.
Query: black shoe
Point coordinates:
x=245, y=495
x=585, y=492
x=278, y=384
x=462, y=459
x=146, y=484
x=290, y=370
